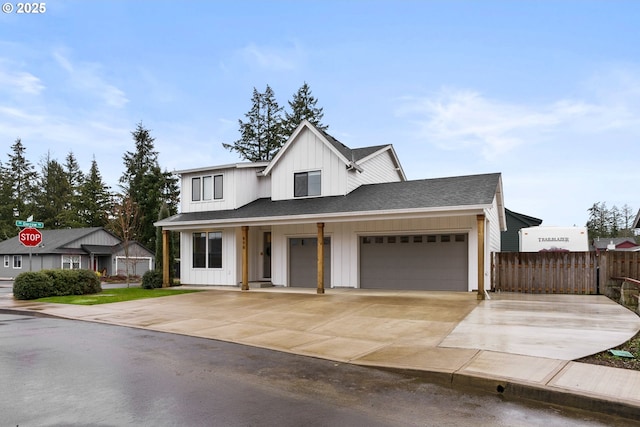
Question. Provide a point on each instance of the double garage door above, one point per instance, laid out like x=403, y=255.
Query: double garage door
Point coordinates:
x=414, y=262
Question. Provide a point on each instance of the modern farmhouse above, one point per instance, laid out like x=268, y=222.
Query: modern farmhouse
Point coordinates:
x=323, y=215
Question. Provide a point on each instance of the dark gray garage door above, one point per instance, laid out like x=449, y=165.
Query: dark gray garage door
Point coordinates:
x=303, y=262
x=416, y=262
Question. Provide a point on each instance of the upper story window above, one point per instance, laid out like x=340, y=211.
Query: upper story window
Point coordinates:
x=206, y=188
x=306, y=184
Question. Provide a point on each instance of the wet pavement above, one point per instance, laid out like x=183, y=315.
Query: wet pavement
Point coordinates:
x=515, y=344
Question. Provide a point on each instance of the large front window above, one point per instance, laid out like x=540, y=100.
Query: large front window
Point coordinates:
x=207, y=250
x=70, y=262
x=306, y=184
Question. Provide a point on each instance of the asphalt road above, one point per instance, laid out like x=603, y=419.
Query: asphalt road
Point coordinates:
x=56, y=372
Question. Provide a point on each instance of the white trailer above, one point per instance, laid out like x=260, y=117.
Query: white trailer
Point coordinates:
x=536, y=239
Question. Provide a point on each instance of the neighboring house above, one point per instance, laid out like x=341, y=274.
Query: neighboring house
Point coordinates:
x=89, y=248
x=509, y=239
x=350, y=211
x=615, y=244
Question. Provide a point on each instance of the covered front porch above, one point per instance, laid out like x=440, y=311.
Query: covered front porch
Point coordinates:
x=266, y=252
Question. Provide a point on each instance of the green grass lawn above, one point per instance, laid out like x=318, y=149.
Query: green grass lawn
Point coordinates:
x=115, y=295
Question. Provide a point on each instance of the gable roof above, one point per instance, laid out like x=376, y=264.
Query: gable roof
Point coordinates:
x=348, y=156
x=54, y=241
x=472, y=192
x=61, y=242
x=603, y=242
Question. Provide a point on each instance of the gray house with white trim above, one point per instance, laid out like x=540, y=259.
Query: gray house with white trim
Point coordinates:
x=319, y=202
x=89, y=248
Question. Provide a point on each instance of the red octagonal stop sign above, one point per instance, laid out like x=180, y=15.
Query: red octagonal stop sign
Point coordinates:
x=30, y=237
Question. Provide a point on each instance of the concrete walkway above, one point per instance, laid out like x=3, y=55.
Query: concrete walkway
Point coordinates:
x=515, y=344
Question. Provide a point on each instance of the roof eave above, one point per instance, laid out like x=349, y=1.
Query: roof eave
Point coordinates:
x=330, y=217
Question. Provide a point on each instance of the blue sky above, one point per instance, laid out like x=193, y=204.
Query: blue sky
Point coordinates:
x=547, y=93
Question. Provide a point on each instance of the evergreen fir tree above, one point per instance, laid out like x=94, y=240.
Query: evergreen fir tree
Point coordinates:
x=19, y=181
x=54, y=196
x=94, y=200
x=303, y=107
x=146, y=185
x=262, y=135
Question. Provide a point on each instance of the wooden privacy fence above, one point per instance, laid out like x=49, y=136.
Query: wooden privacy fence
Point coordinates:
x=619, y=264
x=545, y=272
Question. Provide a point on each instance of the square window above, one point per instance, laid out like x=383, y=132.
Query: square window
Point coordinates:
x=460, y=237
x=379, y=239
x=431, y=239
x=404, y=239
x=307, y=184
x=391, y=239
x=417, y=239
x=445, y=238
x=366, y=240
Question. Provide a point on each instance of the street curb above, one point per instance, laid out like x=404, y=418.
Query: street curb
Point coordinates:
x=28, y=313
x=521, y=391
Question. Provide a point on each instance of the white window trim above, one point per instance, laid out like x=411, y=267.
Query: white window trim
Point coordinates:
x=320, y=171
x=71, y=262
x=6, y=261
x=17, y=257
x=206, y=198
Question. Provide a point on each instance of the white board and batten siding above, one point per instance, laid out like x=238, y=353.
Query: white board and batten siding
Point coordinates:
x=240, y=185
x=377, y=169
x=309, y=153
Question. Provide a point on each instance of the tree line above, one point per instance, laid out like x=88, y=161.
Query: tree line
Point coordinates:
x=61, y=195
x=610, y=222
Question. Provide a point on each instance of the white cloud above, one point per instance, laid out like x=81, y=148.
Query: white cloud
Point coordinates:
x=278, y=59
x=87, y=77
x=18, y=82
x=459, y=119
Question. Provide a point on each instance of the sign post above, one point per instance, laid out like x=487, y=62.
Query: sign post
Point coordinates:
x=30, y=237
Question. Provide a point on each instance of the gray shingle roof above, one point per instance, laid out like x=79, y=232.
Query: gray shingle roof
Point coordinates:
x=451, y=192
x=54, y=241
x=351, y=154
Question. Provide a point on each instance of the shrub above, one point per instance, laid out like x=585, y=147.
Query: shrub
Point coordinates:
x=32, y=285
x=65, y=282
x=48, y=283
x=90, y=281
x=152, y=279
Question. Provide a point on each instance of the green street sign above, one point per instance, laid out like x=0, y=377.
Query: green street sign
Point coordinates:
x=30, y=224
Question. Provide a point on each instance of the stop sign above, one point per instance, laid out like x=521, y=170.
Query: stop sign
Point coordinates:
x=30, y=237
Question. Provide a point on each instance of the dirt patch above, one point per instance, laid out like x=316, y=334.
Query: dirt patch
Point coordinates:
x=607, y=359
